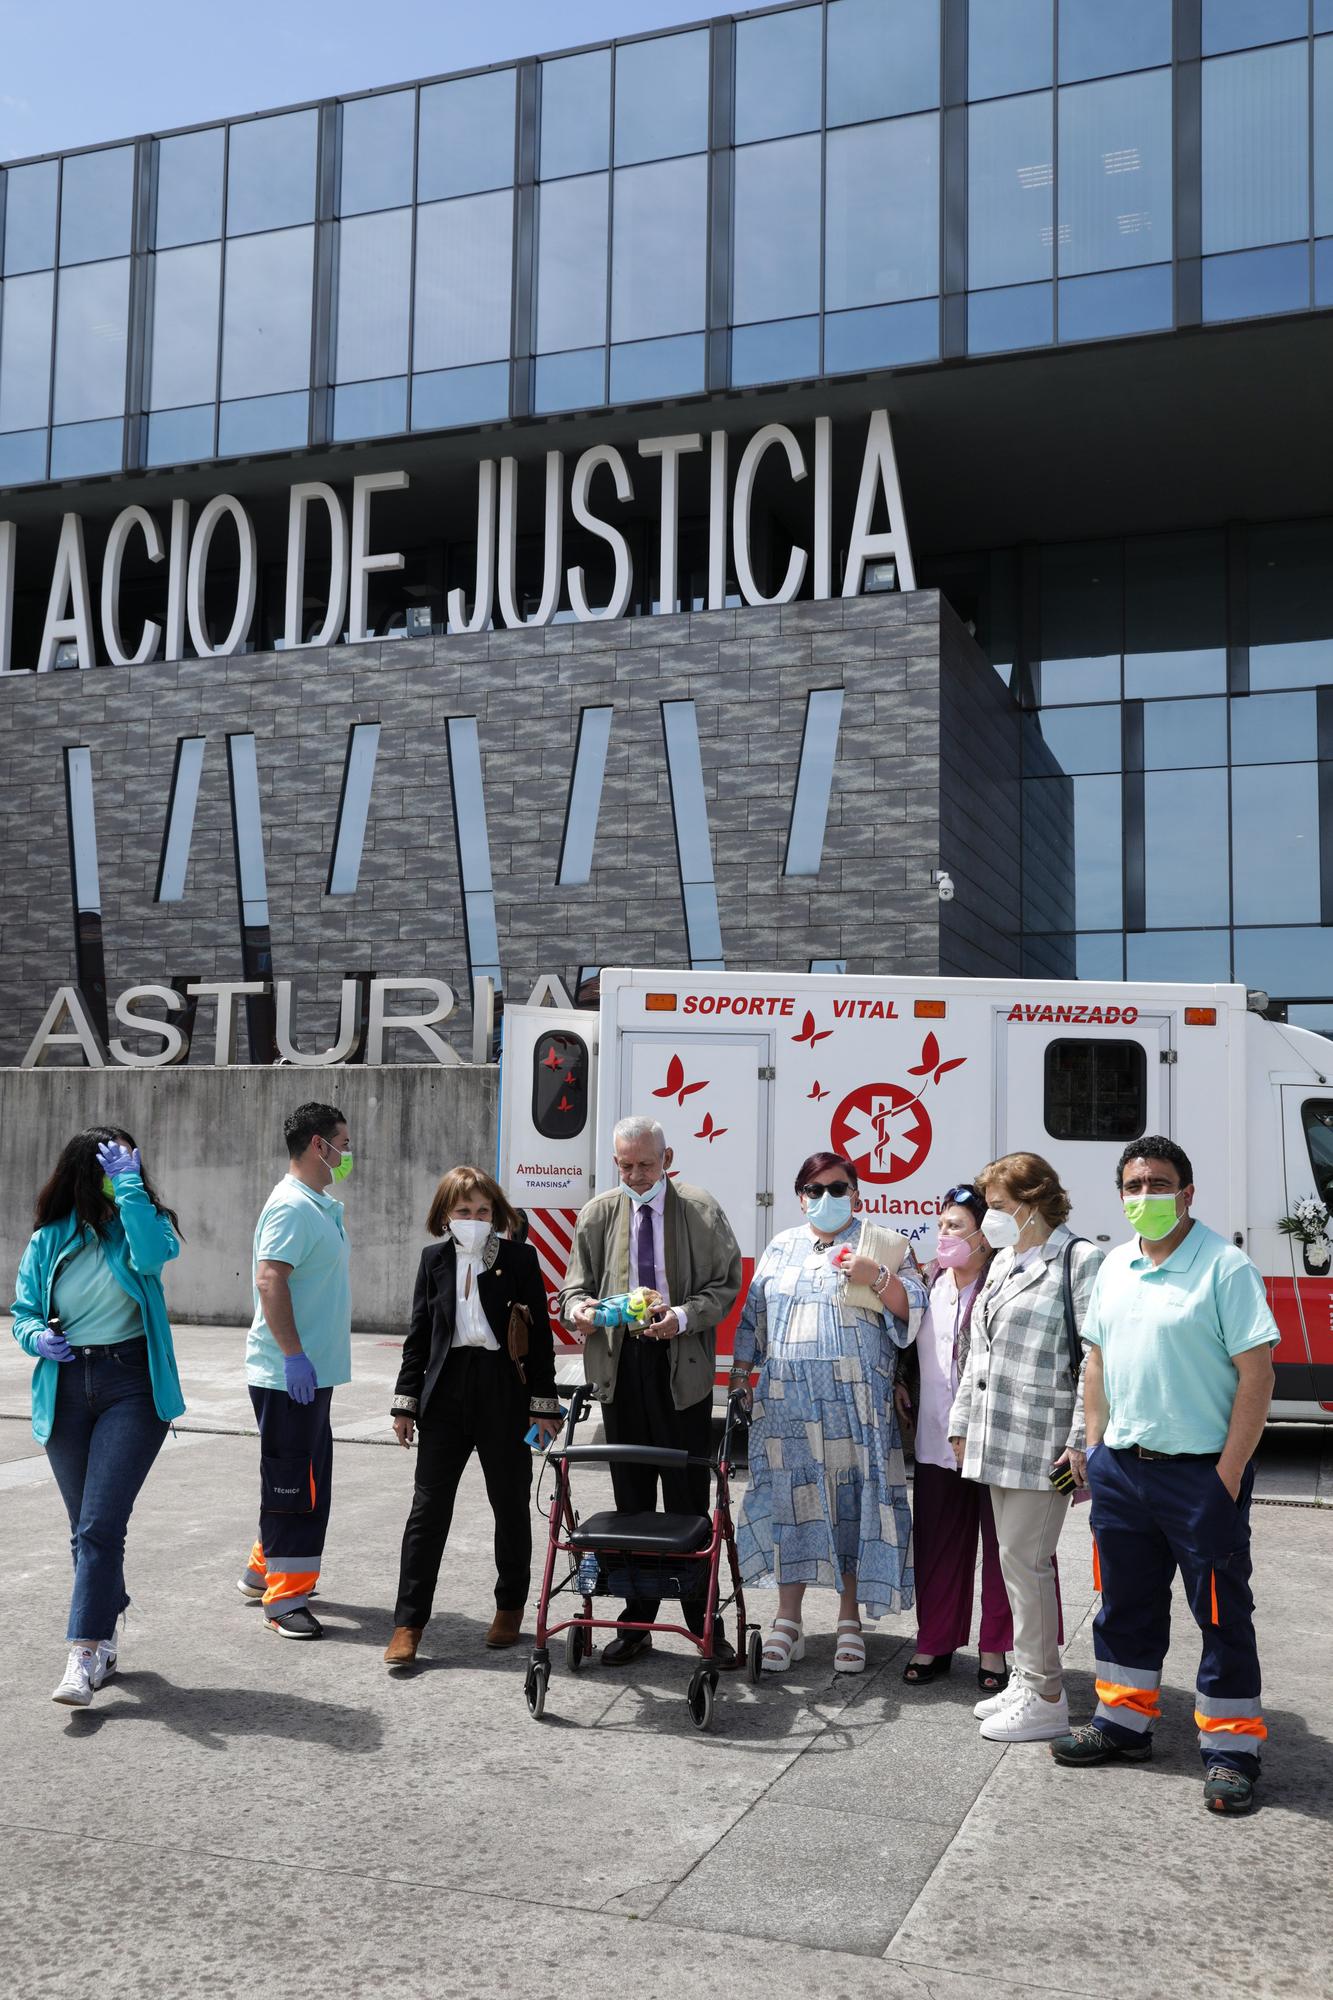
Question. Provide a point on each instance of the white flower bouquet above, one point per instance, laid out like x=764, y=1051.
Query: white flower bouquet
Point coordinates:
x=1308, y=1223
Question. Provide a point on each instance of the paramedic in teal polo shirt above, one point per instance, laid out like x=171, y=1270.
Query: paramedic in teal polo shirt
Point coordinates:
x=1178, y=1380
x=299, y=1350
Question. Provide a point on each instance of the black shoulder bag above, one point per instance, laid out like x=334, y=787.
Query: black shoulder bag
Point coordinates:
x=1071, y=1324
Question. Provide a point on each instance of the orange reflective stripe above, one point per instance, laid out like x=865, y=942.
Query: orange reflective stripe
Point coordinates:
x=299, y=1583
x=1212, y=1587
x=1232, y=1725
x=1143, y=1701
x=257, y=1562
x=1096, y=1566
x=312, y=1497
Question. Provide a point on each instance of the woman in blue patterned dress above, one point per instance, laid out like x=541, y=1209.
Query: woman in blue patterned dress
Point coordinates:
x=827, y=1499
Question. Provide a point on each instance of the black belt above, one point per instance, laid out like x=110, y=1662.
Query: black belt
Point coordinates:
x=1142, y=1451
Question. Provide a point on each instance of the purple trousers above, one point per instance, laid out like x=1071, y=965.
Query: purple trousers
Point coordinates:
x=948, y=1514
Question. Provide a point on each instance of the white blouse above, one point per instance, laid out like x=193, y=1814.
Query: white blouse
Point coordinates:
x=937, y=1351
x=471, y=1326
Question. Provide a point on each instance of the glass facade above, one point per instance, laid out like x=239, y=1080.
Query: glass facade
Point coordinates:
x=831, y=187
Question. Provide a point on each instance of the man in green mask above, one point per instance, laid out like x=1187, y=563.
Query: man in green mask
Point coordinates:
x=1177, y=1383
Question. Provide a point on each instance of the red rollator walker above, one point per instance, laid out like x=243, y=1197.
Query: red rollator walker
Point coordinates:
x=644, y=1555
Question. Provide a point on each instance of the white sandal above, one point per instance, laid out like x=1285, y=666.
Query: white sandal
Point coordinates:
x=784, y=1645
x=850, y=1654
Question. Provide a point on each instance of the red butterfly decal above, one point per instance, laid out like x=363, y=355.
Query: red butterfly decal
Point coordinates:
x=550, y=1060
x=808, y=1032
x=930, y=1064
x=564, y=1104
x=675, y=1085
x=708, y=1130
x=817, y=1090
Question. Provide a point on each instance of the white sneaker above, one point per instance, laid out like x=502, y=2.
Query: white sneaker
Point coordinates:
x=104, y=1663
x=76, y=1689
x=993, y=1703
x=1029, y=1719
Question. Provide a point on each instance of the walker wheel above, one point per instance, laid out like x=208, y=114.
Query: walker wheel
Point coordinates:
x=700, y=1699
x=754, y=1655
x=534, y=1689
x=578, y=1646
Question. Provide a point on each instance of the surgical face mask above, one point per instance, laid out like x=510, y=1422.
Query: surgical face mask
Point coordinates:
x=344, y=1166
x=829, y=1212
x=469, y=1235
x=1152, y=1216
x=953, y=1252
x=1001, y=1229
x=648, y=1194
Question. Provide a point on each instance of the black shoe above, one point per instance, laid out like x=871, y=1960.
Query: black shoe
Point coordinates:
x=1090, y=1745
x=1227, y=1790
x=992, y=1680
x=920, y=1673
x=626, y=1646
x=298, y=1624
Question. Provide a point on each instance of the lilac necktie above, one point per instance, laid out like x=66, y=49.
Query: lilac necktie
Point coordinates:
x=645, y=1260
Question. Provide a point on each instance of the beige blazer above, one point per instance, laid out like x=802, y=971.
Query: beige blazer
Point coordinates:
x=703, y=1270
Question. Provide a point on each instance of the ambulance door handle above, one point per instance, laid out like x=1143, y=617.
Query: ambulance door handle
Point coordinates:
x=764, y=1200
x=1103, y=1239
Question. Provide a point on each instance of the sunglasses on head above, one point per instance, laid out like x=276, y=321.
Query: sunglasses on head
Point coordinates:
x=816, y=1188
x=963, y=1193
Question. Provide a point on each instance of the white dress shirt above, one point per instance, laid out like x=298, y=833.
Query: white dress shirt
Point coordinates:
x=644, y=1215
x=471, y=1326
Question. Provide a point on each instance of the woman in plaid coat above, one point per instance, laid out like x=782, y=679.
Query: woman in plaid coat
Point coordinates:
x=1018, y=1411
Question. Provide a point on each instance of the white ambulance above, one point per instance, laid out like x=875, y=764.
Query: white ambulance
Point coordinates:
x=919, y=1082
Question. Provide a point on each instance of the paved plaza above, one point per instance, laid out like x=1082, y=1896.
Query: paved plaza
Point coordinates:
x=241, y=1816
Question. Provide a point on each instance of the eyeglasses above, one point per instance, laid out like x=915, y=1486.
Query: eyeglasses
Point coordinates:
x=816, y=1188
x=963, y=1193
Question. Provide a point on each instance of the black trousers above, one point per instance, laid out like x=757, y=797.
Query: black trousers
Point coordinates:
x=477, y=1405
x=296, y=1492
x=642, y=1412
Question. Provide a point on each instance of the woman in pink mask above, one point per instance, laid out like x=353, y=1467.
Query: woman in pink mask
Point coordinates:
x=948, y=1511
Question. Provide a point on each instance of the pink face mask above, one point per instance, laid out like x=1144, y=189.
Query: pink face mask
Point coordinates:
x=953, y=1252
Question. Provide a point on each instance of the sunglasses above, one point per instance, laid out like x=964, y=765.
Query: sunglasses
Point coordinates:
x=816, y=1188
x=963, y=1193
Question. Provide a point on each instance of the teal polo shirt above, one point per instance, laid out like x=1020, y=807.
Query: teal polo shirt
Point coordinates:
x=304, y=1229
x=1168, y=1333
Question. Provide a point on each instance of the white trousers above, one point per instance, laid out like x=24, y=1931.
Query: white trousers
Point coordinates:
x=1027, y=1527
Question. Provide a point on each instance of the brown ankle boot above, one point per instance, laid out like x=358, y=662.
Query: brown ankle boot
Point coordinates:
x=401, y=1650
x=505, y=1628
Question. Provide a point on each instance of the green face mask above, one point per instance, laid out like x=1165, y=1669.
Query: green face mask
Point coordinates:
x=344, y=1166
x=1152, y=1216
x=108, y=1187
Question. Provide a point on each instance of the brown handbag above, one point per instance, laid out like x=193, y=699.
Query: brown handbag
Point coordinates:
x=520, y=1326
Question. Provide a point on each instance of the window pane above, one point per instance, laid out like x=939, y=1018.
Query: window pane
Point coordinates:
x=30, y=217
x=80, y=449
x=1323, y=272
x=661, y=97
x=658, y=256
x=778, y=63
x=1275, y=844
x=1020, y=316
x=96, y=198
x=1254, y=282
x=374, y=291
x=1071, y=740
x=1097, y=40
x=883, y=58
x=882, y=337
x=1243, y=24
x=179, y=437
x=189, y=188
x=783, y=351
x=576, y=114
x=264, y=423
x=25, y=351
x=1095, y=1090
x=467, y=135
x=271, y=172
x=1323, y=136
x=185, y=326
x=370, y=409
x=1185, y=842
x=776, y=201
x=1115, y=173
x=464, y=263
x=1286, y=963
x=22, y=457
x=460, y=396
x=648, y=368
x=1175, y=616
x=877, y=249
x=1266, y=728
x=266, y=313
x=1009, y=173
x=1201, y=956
x=571, y=263
x=1071, y=841
x=377, y=140
x=1116, y=302
x=1080, y=623
x=1182, y=733
x=1010, y=45
x=570, y=381
x=92, y=319
x=1256, y=152
x=1291, y=605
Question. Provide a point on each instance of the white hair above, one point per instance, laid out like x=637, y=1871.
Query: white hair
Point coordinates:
x=629, y=1130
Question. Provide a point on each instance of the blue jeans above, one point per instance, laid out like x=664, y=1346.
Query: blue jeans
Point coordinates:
x=102, y=1445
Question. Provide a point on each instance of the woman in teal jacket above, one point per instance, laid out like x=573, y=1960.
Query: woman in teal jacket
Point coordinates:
x=90, y=1311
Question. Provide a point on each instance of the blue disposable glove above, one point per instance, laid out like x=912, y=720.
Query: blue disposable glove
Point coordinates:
x=53, y=1346
x=117, y=1159
x=302, y=1380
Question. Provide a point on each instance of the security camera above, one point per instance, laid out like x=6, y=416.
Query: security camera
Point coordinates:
x=944, y=884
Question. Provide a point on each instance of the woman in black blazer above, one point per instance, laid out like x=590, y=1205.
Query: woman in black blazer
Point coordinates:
x=460, y=1390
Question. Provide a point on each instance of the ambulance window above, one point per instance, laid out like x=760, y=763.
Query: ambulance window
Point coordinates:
x=1317, y=1118
x=1096, y=1090
x=560, y=1086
